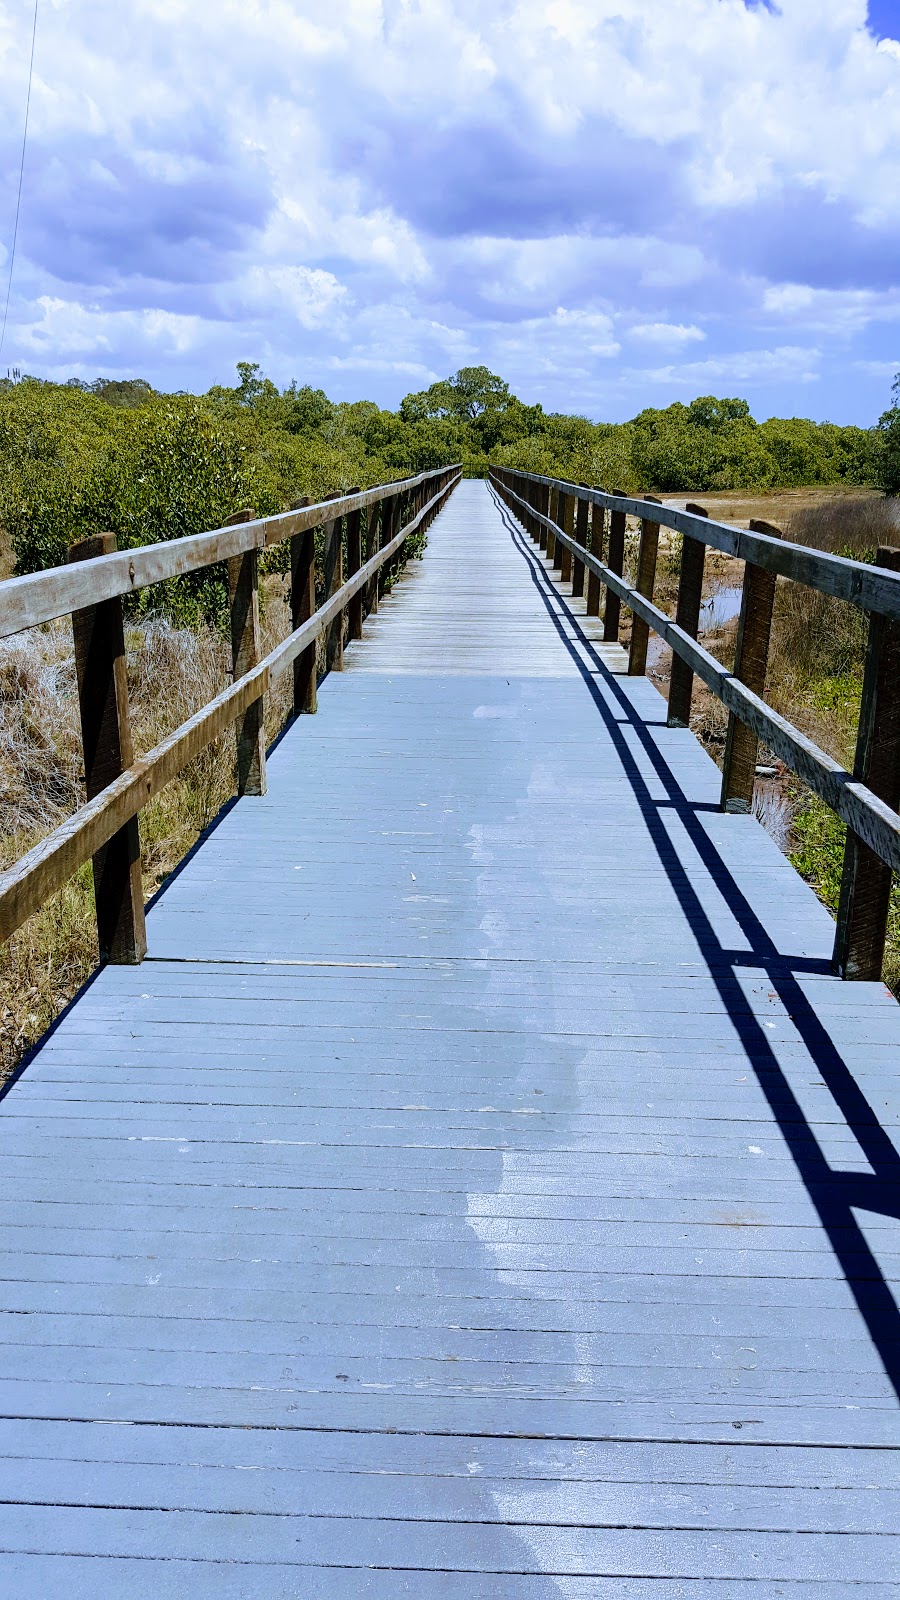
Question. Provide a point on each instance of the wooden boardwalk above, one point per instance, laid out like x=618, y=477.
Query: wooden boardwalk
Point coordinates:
x=483, y=1192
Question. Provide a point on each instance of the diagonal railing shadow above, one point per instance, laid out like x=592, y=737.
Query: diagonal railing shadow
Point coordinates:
x=834, y=1193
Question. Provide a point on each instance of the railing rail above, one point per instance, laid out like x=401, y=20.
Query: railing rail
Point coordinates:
x=866, y=799
x=105, y=829
x=40, y=597
x=861, y=585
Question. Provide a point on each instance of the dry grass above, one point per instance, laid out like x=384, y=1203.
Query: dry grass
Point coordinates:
x=778, y=506
x=818, y=643
x=172, y=672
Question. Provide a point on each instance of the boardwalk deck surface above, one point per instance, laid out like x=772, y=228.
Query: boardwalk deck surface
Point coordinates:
x=484, y=1190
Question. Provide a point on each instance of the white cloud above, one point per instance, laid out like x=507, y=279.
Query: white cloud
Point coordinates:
x=788, y=363
x=674, y=333
x=391, y=188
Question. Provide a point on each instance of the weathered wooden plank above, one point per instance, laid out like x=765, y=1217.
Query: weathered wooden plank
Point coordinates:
x=107, y=748
x=862, y=920
x=648, y=551
x=243, y=604
x=751, y=656
x=615, y=558
x=303, y=605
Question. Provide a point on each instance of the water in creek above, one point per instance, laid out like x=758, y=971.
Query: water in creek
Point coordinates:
x=770, y=803
x=720, y=608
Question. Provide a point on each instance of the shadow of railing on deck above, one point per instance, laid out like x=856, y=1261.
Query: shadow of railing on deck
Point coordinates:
x=834, y=1193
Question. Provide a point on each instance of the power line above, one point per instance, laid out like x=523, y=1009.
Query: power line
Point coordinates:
x=12, y=253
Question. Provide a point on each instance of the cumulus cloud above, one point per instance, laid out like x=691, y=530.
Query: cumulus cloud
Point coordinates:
x=368, y=194
x=672, y=333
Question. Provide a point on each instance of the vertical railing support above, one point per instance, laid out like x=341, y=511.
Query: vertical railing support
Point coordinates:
x=243, y=602
x=375, y=522
x=333, y=571
x=596, y=548
x=389, y=513
x=751, y=658
x=866, y=882
x=687, y=616
x=615, y=560
x=581, y=537
x=553, y=514
x=567, y=523
x=303, y=604
x=544, y=502
x=106, y=739
x=354, y=562
x=648, y=551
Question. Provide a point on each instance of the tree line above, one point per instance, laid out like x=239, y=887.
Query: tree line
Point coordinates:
x=78, y=458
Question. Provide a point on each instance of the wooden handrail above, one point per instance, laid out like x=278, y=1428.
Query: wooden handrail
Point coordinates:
x=869, y=588
x=872, y=817
x=40, y=597
x=43, y=870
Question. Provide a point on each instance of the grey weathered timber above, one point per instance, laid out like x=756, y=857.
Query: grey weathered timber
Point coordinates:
x=333, y=578
x=687, y=618
x=355, y=610
x=751, y=657
x=102, y=679
x=303, y=604
x=648, y=551
x=243, y=605
x=581, y=538
x=567, y=523
x=596, y=548
x=543, y=507
x=375, y=536
x=866, y=880
x=616, y=560
x=553, y=512
x=501, y=1204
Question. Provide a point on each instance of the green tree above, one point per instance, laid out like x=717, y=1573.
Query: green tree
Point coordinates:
x=888, y=456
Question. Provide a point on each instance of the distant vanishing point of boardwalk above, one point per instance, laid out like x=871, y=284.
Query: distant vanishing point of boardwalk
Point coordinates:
x=483, y=1191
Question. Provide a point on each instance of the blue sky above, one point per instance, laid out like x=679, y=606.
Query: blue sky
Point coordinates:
x=614, y=203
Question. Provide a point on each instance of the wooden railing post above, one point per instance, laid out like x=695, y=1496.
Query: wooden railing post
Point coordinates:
x=545, y=498
x=376, y=517
x=106, y=740
x=303, y=604
x=516, y=484
x=751, y=658
x=333, y=572
x=581, y=537
x=648, y=550
x=615, y=560
x=553, y=514
x=562, y=559
x=596, y=548
x=389, y=512
x=568, y=527
x=354, y=562
x=866, y=882
x=243, y=601
x=687, y=616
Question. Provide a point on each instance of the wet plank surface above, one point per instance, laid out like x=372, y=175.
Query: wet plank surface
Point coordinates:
x=483, y=1190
